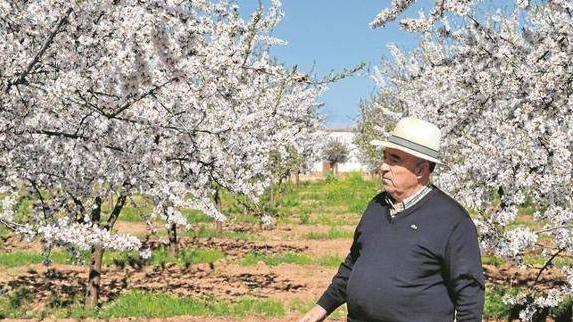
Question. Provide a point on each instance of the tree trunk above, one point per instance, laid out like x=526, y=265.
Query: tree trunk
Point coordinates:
x=92, y=292
x=297, y=178
x=94, y=277
x=219, y=205
x=271, y=193
x=173, y=244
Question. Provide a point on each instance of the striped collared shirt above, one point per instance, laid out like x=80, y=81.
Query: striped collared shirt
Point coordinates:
x=396, y=208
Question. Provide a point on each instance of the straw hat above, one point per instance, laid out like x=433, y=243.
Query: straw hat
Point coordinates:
x=416, y=137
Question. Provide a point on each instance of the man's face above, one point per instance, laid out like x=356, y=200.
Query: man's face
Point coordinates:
x=399, y=173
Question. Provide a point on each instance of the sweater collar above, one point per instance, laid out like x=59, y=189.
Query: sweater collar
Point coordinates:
x=396, y=208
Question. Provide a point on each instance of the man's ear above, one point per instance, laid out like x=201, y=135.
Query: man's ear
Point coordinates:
x=419, y=169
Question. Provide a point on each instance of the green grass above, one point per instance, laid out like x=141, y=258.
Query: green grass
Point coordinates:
x=300, y=307
x=345, y=194
x=195, y=216
x=25, y=257
x=540, y=261
x=333, y=233
x=186, y=257
x=130, y=214
x=492, y=260
x=253, y=258
x=159, y=257
x=332, y=260
x=304, y=218
x=3, y=234
x=15, y=302
x=200, y=255
x=138, y=304
x=494, y=308
x=328, y=219
x=23, y=208
x=245, y=218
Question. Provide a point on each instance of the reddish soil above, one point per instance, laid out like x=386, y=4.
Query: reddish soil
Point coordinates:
x=131, y=227
x=508, y=275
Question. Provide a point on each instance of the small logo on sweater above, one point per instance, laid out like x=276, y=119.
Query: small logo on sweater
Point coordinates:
x=414, y=227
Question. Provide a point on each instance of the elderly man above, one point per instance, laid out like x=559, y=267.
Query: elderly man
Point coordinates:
x=415, y=254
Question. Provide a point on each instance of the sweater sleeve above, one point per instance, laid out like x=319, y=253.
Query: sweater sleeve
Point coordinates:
x=335, y=294
x=465, y=273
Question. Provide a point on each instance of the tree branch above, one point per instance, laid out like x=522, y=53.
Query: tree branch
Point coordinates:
x=22, y=77
x=546, y=266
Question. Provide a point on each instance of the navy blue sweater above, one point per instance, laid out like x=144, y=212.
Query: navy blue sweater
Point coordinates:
x=422, y=265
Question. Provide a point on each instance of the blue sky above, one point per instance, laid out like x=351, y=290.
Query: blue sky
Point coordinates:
x=329, y=35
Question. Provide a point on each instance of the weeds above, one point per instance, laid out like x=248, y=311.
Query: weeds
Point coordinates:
x=20, y=297
x=304, y=218
x=253, y=258
x=348, y=194
x=333, y=233
x=186, y=257
x=24, y=257
x=494, y=307
x=139, y=304
x=492, y=260
x=329, y=260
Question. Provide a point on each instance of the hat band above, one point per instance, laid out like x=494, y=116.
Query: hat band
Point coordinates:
x=414, y=146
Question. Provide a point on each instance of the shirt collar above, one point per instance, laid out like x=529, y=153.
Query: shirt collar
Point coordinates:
x=396, y=208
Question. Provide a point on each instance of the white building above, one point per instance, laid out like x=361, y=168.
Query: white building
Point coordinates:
x=345, y=136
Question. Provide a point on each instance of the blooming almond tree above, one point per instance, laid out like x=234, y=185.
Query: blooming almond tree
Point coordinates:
x=500, y=89
x=124, y=98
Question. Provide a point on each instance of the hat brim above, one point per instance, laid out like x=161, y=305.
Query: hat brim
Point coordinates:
x=386, y=144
